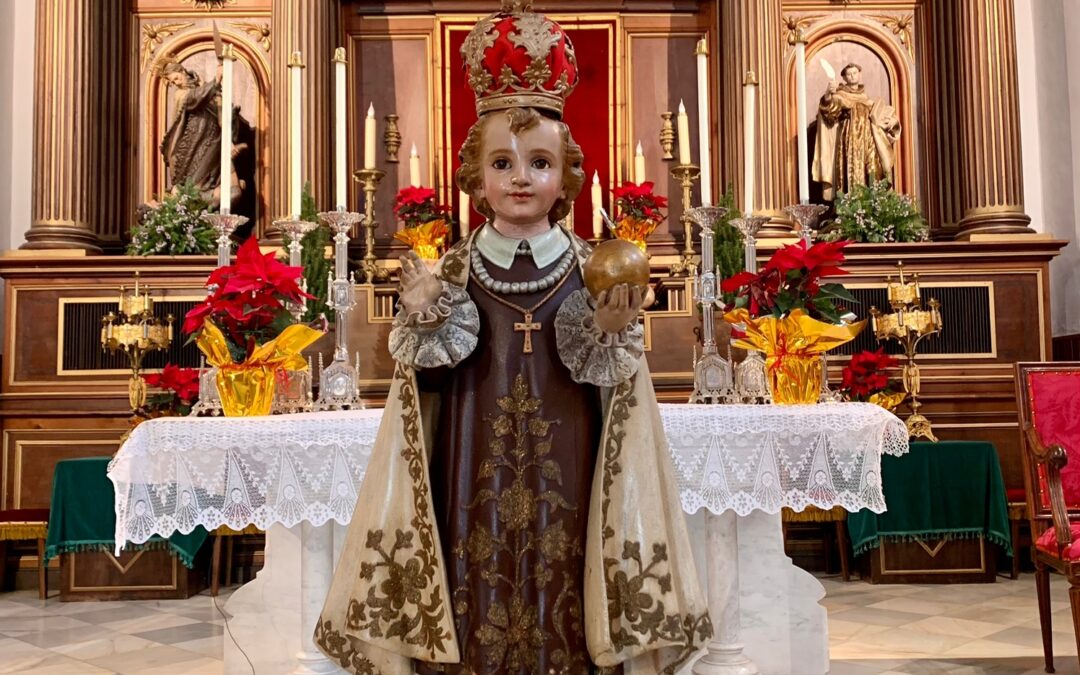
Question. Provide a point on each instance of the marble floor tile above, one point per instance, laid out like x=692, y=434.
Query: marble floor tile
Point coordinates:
x=144, y=660
x=877, y=617
x=914, y=606
x=152, y=620
x=1017, y=635
x=174, y=634
x=116, y=643
x=946, y=625
x=212, y=647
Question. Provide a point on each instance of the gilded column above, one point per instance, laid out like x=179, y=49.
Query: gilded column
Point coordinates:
x=993, y=185
x=65, y=185
x=310, y=27
x=753, y=38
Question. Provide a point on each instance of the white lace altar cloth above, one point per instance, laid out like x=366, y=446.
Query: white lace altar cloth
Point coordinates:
x=173, y=474
x=765, y=457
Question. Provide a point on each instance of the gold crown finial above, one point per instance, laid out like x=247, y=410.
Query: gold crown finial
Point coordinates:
x=516, y=6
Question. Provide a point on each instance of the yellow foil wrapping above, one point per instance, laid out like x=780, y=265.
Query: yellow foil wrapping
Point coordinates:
x=635, y=230
x=427, y=239
x=888, y=401
x=792, y=346
x=247, y=389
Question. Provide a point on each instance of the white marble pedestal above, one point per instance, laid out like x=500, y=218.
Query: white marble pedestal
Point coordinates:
x=783, y=627
x=273, y=616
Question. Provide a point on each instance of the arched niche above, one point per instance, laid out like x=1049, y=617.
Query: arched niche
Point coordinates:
x=195, y=50
x=888, y=73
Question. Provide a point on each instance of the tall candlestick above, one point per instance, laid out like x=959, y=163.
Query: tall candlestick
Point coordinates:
x=597, y=204
x=684, y=136
x=296, y=65
x=414, y=167
x=225, y=167
x=341, y=169
x=704, y=158
x=749, y=92
x=369, y=138
x=639, y=165
x=464, y=211
x=800, y=116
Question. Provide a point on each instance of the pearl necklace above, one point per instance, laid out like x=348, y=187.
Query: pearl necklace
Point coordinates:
x=518, y=287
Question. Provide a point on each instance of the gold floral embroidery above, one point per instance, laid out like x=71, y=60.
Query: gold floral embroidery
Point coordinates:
x=404, y=599
x=337, y=646
x=637, y=614
x=455, y=264
x=520, y=442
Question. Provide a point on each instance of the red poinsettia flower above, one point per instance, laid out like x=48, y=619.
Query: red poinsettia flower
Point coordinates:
x=255, y=271
x=413, y=195
x=638, y=201
x=792, y=279
x=866, y=374
x=195, y=318
x=184, y=382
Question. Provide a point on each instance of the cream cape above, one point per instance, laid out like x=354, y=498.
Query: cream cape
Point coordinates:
x=389, y=604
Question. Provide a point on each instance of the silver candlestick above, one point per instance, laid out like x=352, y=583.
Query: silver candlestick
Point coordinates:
x=713, y=375
x=296, y=231
x=224, y=224
x=749, y=226
x=339, y=383
x=807, y=216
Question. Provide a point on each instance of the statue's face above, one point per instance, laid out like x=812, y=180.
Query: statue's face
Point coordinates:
x=522, y=172
x=852, y=75
x=176, y=79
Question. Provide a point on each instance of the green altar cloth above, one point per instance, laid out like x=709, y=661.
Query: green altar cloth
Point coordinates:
x=950, y=489
x=81, y=516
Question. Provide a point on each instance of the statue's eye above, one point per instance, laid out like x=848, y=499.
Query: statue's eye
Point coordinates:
x=541, y=163
x=502, y=164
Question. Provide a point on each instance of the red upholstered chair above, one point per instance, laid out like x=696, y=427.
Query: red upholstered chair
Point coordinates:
x=1048, y=395
x=25, y=524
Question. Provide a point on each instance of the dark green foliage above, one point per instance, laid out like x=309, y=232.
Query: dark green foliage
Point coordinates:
x=313, y=258
x=727, y=242
x=174, y=226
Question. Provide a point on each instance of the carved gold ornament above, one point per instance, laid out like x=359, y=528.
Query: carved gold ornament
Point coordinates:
x=795, y=26
x=261, y=33
x=154, y=34
x=209, y=4
x=900, y=27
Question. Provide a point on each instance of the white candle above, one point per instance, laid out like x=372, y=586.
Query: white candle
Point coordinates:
x=463, y=213
x=369, y=138
x=225, y=167
x=341, y=197
x=800, y=116
x=414, y=167
x=704, y=156
x=597, y=204
x=639, y=165
x=684, y=135
x=749, y=91
x=296, y=65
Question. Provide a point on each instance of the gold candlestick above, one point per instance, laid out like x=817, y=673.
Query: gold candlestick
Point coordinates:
x=908, y=324
x=686, y=174
x=392, y=138
x=667, y=137
x=369, y=179
x=135, y=331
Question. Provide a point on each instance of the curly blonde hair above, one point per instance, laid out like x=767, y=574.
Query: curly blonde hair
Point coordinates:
x=470, y=175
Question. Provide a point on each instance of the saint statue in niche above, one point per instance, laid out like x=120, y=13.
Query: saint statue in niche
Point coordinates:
x=855, y=136
x=192, y=143
x=519, y=514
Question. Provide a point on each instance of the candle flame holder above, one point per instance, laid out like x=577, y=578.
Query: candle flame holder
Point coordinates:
x=134, y=330
x=686, y=265
x=369, y=179
x=339, y=383
x=908, y=324
x=808, y=217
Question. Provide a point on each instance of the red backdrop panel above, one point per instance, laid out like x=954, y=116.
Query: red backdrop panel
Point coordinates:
x=589, y=109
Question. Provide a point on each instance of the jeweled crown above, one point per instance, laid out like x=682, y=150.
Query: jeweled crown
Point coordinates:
x=516, y=58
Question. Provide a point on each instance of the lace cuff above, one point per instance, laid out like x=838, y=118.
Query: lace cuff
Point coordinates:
x=593, y=356
x=442, y=336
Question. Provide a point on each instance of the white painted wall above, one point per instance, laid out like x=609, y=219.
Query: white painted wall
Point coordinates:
x=16, y=118
x=1049, y=77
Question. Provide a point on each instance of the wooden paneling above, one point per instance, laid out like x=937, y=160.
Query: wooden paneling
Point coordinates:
x=30, y=456
x=139, y=575
x=956, y=561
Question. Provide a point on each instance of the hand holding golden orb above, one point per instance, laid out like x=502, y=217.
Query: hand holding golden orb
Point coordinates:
x=614, y=262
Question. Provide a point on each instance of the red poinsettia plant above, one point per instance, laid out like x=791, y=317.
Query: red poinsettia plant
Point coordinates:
x=866, y=378
x=179, y=388
x=249, y=300
x=639, y=202
x=794, y=279
x=416, y=206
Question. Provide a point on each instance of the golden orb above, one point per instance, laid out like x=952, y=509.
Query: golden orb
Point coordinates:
x=614, y=262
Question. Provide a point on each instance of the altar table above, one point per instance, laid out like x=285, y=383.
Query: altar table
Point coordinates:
x=297, y=476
